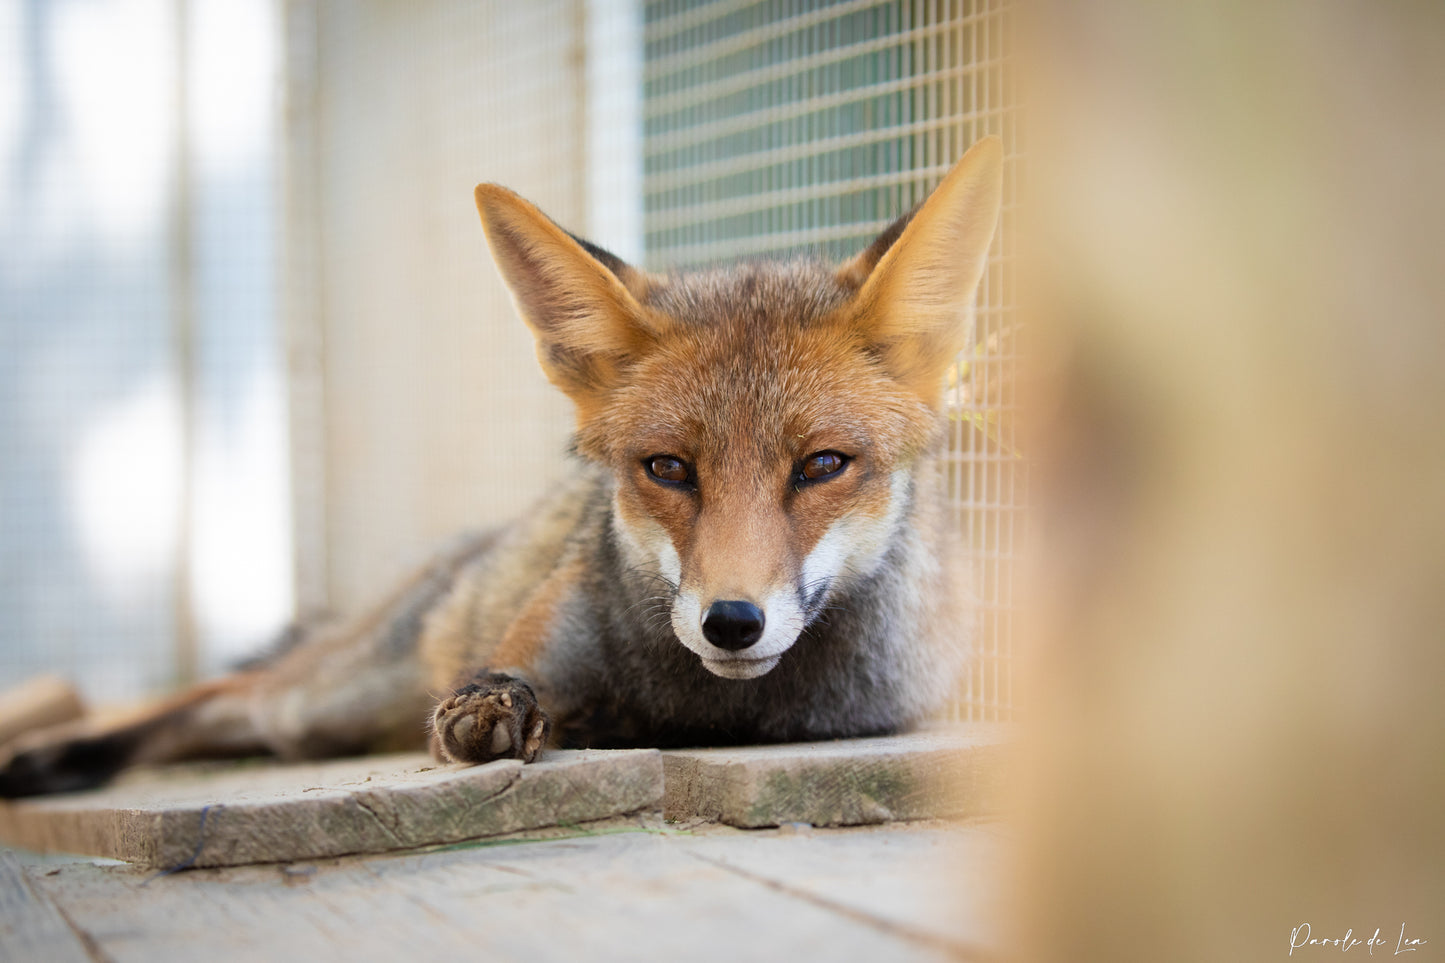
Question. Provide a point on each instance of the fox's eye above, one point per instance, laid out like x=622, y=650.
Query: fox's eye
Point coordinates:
x=823, y=465
x=667, y=468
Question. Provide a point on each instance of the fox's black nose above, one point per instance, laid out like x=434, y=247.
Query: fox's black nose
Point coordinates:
x=733, y=625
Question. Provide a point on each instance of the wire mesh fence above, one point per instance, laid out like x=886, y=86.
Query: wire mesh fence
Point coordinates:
x=781, y=127
x=417, y=411
x=143, y=531
x=340, y=325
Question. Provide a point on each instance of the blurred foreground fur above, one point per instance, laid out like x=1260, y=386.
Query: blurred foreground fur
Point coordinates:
x=1237, y=735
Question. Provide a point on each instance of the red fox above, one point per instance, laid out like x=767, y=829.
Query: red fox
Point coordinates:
x=752, y=545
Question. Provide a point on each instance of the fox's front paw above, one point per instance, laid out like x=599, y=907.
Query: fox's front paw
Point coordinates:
x=496, y=717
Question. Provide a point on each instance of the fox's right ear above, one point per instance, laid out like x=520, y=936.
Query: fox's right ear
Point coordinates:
x=574, y=297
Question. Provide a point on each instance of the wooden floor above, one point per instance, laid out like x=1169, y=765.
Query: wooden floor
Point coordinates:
x=630, y=888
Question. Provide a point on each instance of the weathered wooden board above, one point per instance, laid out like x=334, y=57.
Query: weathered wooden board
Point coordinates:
x=627, y=890
x=31, y=928
x=942, y=773
x=231, y=815
x=234, y=814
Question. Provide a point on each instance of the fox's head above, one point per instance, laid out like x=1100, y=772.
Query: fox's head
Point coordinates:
x=761, y=421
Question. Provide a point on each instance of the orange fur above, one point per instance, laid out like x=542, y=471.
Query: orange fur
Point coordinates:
x=533, y=626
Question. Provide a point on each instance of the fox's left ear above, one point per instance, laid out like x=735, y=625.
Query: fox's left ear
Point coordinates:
x=915, y=283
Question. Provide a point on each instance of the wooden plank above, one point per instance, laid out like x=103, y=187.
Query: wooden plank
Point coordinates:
x=613, y=895
x=229, y=815
x=942, y=773
x=642, y=896
x=242, y=913
x=934, y=882
x=31, y=928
